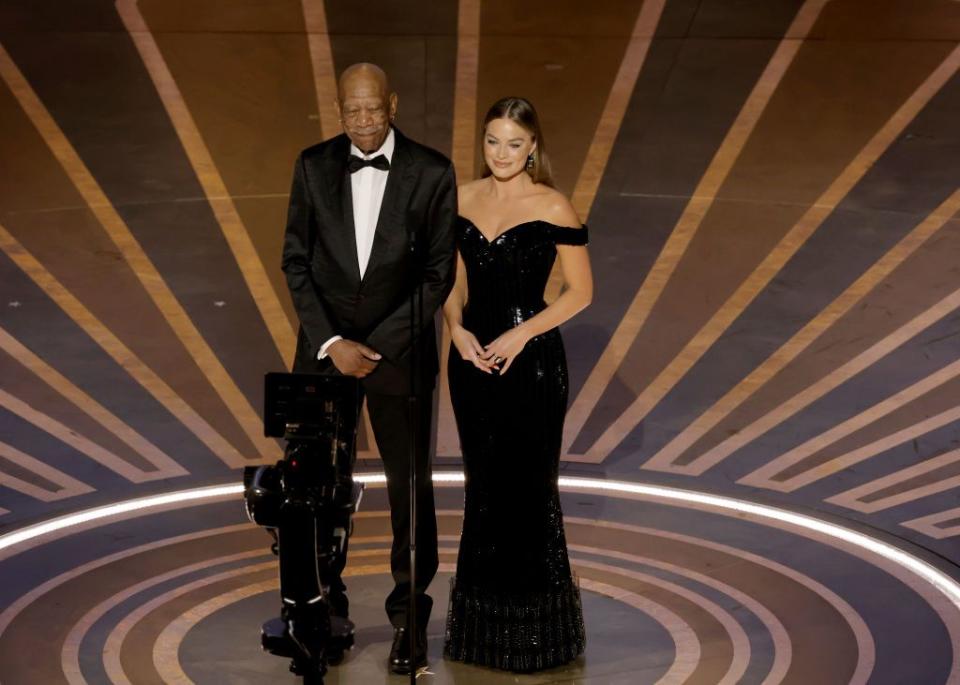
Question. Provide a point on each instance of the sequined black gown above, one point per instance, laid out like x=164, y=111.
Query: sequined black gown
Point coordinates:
x=514, y=603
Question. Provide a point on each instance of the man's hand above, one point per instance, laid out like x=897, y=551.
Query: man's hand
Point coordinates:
x=352, y=358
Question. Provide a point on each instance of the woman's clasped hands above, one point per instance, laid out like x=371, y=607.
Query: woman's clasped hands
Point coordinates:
x=496, y=356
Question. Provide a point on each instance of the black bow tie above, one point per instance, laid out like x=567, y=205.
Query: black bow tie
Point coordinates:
x=379, y=162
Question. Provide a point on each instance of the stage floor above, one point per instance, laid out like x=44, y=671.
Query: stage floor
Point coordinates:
x=673, y=592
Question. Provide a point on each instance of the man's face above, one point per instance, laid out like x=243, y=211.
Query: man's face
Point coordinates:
x=366, y=110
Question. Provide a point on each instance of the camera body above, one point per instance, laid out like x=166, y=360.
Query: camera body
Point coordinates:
x=306, y=502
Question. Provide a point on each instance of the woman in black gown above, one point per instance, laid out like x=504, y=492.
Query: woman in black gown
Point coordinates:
x=514, y=603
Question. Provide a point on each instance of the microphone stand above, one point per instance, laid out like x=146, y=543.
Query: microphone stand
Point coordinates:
x=416, y=320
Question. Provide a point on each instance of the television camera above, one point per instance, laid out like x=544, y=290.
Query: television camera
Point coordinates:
x=306, y=502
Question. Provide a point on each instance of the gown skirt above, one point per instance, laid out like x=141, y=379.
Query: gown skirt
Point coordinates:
x=514, y=602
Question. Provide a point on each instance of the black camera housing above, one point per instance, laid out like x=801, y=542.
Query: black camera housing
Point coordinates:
x=306, y=502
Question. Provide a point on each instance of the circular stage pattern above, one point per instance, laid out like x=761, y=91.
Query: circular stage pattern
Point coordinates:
x=676, y=589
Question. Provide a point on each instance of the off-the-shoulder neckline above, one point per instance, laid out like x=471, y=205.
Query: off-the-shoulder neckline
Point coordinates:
x=515, y=227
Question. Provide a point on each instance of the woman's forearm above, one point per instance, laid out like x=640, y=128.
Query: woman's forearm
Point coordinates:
x=564, y=308
x=457, y=299
x=453, y=309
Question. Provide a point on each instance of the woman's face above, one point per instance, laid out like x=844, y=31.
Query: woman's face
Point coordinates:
x=506, y=145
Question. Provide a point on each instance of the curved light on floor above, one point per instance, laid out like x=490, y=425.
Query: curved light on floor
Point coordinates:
x=110, y=510
x=941, y=581
x=935, y=577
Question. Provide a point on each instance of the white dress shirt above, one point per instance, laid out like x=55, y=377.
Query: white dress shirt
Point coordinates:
x=366, y=186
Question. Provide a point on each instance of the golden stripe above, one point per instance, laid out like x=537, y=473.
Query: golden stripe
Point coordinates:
x=372, y=451
x=321, y=59
x=21, y=603
x=598, y=154
x=115, y=640
x=463, y=148
x=166, y=649
x=773, y=262
x=687, y=226
x=114, y=645
x=853, y=498
x=866, y=647
x=782, y=648
x=119, y=352
x=605, y=135
x=801, y=340
x=740, y=644
x=764, y=476
x=69, y=486
x=465, y=131
x=829, y=382
x=687, y=649
x=448, y=440
x=72, y=438
x=231, y=225
x=70, y=652
x=151, y=279
x=166, y=664
x=928, y=524
x=165, y=465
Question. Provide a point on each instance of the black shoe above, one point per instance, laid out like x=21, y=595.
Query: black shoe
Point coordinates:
x=400, y=651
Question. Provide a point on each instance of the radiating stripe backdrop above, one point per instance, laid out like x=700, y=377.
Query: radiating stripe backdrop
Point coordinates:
x=772, y=187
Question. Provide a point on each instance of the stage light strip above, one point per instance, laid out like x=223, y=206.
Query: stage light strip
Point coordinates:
x=938, y=579
x=942, y=582
x=110, y=510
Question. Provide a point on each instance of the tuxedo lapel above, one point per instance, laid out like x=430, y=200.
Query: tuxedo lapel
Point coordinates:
x=400, y=182
x=343, y=231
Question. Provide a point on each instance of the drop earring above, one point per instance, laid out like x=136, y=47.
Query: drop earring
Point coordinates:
x=530, y=161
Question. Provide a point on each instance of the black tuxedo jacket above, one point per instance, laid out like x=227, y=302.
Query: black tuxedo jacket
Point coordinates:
x=323, y=274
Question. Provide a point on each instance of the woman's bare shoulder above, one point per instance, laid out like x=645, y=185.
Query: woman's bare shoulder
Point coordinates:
x=556, y=208
x=467, y=191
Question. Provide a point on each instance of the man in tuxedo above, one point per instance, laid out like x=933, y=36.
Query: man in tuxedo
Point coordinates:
x=358, y=200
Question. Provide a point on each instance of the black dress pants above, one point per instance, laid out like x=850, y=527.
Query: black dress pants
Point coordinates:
x=389, y=416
